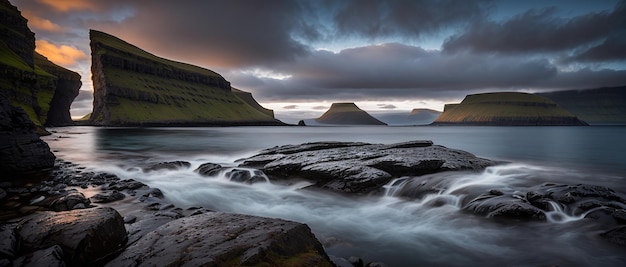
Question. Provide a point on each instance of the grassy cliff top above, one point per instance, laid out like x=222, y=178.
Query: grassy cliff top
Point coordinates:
x=506, y=97
x=497, y=106
x=45, y=64
x=121, y=45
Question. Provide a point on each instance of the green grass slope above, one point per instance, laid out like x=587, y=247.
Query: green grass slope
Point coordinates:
x=601, y=106
x=134, y=87
x=30, y=88
x=506, y=108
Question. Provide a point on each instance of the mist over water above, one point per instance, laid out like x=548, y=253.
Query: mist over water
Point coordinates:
x=431, y=230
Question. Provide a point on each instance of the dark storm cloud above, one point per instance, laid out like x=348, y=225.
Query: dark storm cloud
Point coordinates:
x=397, y=72
x=372, y=18
x=544, y=31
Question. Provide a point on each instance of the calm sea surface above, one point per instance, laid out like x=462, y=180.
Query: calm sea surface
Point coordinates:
x=396, y=231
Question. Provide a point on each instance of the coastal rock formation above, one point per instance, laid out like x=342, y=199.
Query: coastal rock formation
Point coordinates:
x=30, y=234
x=221, y=239
x=601, y=106
x=21, y=150
x=347, y=114
x=134, y=87
x=360, y=167
x=43, y=89
x=66, y=90
x=506, y=109
x=542, y=202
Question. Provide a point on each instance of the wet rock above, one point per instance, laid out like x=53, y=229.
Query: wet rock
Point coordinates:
x=504, y=206
x=85, y=235
x=237, y=175
x=209, y=169
x=616, y=235
x=8, y=242
x=619, y=216
x=107, y=197
x=360, y=167
x=220, y=239
x=51, y=257
x=69, y=201
x=568, y=194
x=170, y=165
x=154, y=192
x=130, y=219
x=129, y=184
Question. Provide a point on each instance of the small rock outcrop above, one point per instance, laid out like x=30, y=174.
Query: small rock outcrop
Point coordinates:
x=133, y=87
x=506, y=109
x=221, y=239
x=347, y=114
x=360, y=167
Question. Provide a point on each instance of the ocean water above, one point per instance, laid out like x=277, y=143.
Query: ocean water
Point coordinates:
x=433, y=231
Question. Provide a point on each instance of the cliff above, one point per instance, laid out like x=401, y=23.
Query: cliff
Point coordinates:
x=42, y=89
x=506, y=109
x=347, y=114
x=66, y=90
x=247, y=97
x=601, y=106
x=134, y=87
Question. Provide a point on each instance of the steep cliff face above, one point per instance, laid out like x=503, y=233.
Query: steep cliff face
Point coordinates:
x=505, y=109
x=14, y=32
x=601, y=106
x=30, y=81
x=247, y=97
x=347, y=114
x=134, y=87
x=66, y=90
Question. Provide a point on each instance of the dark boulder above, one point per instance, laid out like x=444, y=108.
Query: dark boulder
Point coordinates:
x=107, y=197
x=220, y=239
x=246, y=176
x=85, y=235
x=170, y=165
x=70, y=201
x=21, y=150
x=49, y=257
x=361, y=167
x=505, y=206
x=209, y=169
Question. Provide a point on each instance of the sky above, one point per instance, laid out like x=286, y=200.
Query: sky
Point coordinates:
x=298, y=57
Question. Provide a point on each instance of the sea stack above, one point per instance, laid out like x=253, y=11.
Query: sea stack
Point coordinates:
x=347, y=114
x=506, y=109
x=133, y=87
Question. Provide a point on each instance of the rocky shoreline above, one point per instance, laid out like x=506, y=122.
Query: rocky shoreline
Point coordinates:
x=61, y=222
